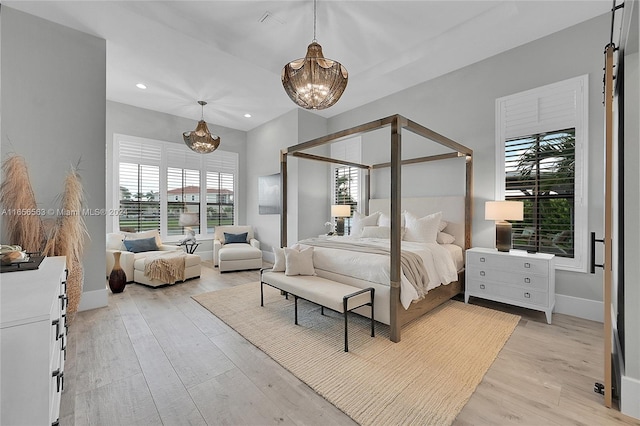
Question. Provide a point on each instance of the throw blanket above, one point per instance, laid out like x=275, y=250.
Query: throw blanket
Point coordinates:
x=167, y=267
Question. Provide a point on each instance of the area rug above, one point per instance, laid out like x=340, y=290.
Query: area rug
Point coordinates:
x=425, y=379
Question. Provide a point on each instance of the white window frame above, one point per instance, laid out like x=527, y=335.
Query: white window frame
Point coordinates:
x=164, y=163
x=539, y=118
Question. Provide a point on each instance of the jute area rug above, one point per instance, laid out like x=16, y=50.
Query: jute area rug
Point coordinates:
x=425, y=379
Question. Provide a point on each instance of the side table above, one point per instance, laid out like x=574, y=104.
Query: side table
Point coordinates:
x=190, y=247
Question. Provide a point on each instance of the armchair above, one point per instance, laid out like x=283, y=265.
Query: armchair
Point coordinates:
x=115, y=242
x=235, y=256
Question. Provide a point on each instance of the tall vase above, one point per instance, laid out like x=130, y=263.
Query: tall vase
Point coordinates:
x=117, y=278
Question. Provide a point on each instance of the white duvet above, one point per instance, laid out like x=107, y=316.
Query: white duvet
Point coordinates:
x=438, y=262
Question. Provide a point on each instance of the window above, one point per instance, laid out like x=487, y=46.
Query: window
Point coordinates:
x=346, y=179
x=540, y=171
x=159, y=181
x=541, y=160
x=139, y=189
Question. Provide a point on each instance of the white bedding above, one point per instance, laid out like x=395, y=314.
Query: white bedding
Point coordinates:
x=438, y=260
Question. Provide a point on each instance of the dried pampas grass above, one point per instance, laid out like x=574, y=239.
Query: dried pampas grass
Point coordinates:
x=67, y=238
x=23, y=223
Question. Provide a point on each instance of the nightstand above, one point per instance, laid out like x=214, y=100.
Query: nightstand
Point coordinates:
x=516, y=277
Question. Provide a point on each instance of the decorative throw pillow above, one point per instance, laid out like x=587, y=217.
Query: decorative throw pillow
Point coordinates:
x=376, y=232
x=443, y=224
x=141, y=245
x=299, y=262
x=424, y=229
x=279, y=265
x=360, y=221
x=143, y=234
x=235, y=238
x=444, y=238
x=114, y=241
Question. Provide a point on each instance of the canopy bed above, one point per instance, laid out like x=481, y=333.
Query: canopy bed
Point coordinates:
x=457, y=209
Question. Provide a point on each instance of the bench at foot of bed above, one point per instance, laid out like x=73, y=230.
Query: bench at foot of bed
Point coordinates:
x=321, y=291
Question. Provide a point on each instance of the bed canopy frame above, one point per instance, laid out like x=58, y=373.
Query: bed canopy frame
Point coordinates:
x=396, y=124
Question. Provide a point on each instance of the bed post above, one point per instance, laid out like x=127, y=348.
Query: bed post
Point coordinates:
x=396, y=236
x=283, y=198
x=367, y=190
x=468, y=202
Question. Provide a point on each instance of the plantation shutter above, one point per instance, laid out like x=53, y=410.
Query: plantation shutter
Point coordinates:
x=139, y=183
x=538, y=151
x=221, y=169
x=346, y=179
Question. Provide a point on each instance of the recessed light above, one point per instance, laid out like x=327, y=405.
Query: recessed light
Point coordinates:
x=247, y=115
x=141, y=86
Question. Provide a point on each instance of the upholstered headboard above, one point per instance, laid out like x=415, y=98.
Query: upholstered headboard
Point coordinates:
x=452, y=208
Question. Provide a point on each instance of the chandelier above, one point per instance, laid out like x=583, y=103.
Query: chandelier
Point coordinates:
x=200, y=140
x=314, y=82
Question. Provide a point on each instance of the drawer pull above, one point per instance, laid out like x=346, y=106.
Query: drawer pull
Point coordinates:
x=482, y=259
x=56, y=322
x=63, y=301
x=527, y=295
x=56, y=423
x=59, y=375
x=527, y=280
x=527, y=265
x=482, y=273
x=482, y=286
x=64, y=284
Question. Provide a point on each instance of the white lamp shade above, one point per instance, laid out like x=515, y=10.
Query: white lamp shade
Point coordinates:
x=503, y=210
x=341, y=210
x=189, y=219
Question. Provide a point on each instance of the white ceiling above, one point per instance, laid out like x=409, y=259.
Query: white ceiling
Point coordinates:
x=228, y=54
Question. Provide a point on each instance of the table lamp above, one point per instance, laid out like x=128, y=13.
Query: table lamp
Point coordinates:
x=340, y=211
x=501, y=211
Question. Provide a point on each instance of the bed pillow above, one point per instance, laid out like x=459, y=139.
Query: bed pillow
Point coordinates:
x=422, y=230
x=279, y=265
x=141, y=245
x=385, y=220
x=444, y=238
x=299, y=262
x=443, y=224
x=360, y=221
x=235, y=238
x=375, y=232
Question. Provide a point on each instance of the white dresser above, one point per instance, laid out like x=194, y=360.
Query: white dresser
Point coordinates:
x=515, y=277
x=33, y=337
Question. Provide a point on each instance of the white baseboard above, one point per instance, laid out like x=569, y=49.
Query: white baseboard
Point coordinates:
x=92, y=300
x=630, y=397
x=578, y=307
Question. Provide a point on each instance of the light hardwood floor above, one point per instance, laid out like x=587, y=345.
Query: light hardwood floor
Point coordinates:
x=155, y=356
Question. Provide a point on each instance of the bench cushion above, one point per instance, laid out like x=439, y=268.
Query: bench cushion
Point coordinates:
x=317, y=290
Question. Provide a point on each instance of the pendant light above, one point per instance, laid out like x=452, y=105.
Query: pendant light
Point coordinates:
x=200, y=140
x=314, y=82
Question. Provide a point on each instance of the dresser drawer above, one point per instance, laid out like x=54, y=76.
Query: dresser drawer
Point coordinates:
x=526, y=280
x=508, y=263
x=507, y=294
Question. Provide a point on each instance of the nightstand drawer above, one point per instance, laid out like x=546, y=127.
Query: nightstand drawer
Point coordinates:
x=504, y=293
x=508, y=263
x=529, y=281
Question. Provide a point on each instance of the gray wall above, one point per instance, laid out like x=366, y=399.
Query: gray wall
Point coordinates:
x=461, y=105
x=308, y=192
x=53, y=114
